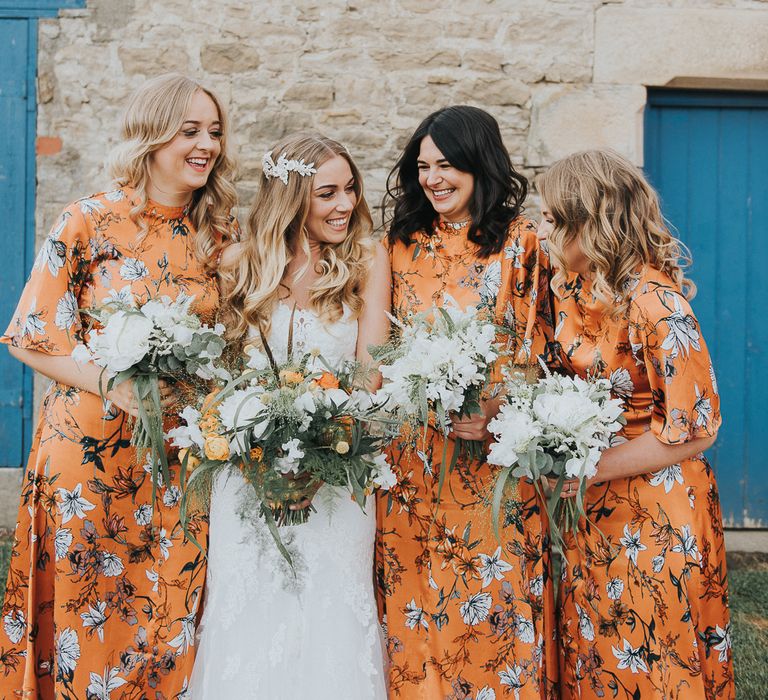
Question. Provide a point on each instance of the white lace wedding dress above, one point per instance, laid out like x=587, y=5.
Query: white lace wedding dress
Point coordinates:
x=266, y=632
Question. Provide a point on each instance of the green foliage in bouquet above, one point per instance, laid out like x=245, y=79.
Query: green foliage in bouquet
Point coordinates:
x=289, y=429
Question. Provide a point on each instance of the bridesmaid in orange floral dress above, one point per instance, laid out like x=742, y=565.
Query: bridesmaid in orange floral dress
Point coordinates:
x=103, y=588
x=644, y=609
x=467, y=616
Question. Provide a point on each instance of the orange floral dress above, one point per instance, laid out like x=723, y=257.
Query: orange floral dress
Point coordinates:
x=644, y=612
x=466, y=616
x=102, y=593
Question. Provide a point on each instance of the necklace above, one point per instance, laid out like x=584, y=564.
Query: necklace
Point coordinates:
x=455, y=225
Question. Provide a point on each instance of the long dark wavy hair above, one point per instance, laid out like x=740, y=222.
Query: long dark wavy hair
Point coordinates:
x=470, y=140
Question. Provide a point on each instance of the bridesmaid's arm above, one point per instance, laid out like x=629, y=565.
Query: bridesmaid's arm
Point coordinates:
x=86, y=376
x=640, y=455
x=647, y=453
x=373, y=324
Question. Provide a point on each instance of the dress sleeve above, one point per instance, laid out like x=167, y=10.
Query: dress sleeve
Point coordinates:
x=526, y=313
x=47, y=318
x=665, y=336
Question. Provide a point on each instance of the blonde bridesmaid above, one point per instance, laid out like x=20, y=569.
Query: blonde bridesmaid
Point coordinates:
x=103, y=588
x=644, y=598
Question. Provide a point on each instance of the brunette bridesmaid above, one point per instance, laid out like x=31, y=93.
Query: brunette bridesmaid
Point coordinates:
x=467, y=616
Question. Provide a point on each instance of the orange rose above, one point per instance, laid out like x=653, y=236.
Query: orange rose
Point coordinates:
x=327, y=381
x=209, y=402
x=210, y=424
x=216, y=447
x=289, y=377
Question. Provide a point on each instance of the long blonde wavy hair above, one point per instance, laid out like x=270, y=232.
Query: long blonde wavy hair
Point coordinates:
x=155, y=113
x=603, y=203
x=277, y=229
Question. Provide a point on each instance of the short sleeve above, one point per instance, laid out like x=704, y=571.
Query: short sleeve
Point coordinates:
x=527, y=312
x=47, y=318
x=665, y=336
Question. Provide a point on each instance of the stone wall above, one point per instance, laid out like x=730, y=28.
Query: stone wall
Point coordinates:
x=558, y=74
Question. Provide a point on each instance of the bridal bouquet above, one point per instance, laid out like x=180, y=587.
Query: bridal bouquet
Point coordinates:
x=440, y=365
x=556, y=428
x=290, y=429
x=160, y=338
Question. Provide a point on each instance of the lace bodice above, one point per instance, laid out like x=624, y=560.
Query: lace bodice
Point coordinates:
x=336, y=341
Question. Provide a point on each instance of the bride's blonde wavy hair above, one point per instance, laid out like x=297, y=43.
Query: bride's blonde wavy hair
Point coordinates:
x=603, y=203
x=277, y=227
x=155, y=113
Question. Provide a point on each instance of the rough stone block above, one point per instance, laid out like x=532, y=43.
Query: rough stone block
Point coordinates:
x=228, y=58
x=651, y=46
x=154, y=59
x=552, y=43
x=567, y=118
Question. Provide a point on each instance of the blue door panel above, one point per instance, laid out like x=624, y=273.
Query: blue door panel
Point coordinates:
x=14, y=182
x=706, y=153
x=756, y=385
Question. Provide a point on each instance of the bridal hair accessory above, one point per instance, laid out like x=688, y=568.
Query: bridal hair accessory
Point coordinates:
x=285, y=166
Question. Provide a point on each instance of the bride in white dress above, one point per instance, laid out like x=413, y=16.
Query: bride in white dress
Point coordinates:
x=309, y=268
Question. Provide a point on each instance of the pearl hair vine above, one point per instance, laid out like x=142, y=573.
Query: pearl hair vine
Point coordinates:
x=285, y=166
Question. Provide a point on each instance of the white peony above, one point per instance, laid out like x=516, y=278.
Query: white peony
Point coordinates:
x=567, y=412
x=241, y=408
x=515, y=431
x=123, y=342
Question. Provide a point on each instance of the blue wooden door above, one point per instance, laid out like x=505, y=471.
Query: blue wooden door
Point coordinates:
x=707, y=154
x=16, y=202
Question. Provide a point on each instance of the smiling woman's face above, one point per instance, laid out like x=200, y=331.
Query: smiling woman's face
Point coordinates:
x=183, y=164
x=448, y=189
x=333, y=201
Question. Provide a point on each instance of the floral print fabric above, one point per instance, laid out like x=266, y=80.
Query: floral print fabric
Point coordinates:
x=103, y=588
x=467, y=616
x=644, y=611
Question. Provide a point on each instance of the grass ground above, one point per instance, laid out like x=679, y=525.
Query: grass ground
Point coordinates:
x=748, y=573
